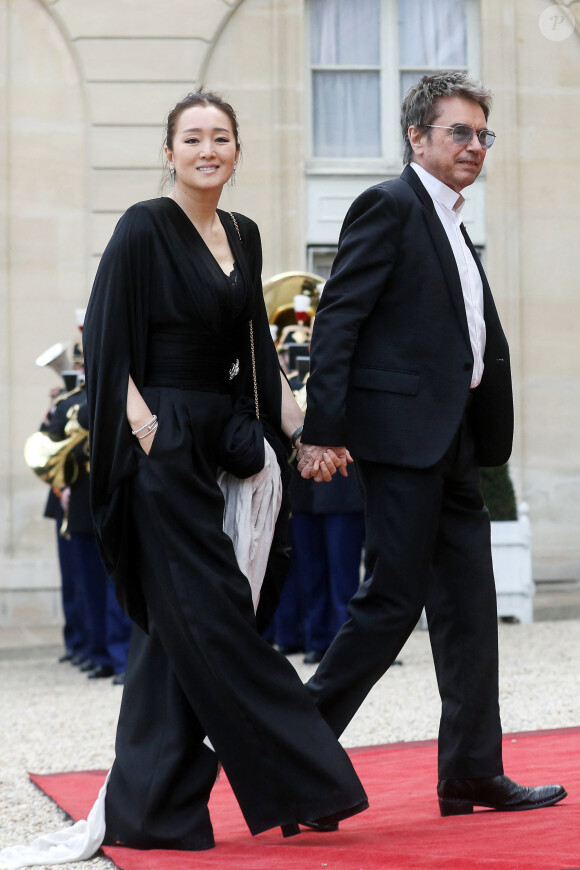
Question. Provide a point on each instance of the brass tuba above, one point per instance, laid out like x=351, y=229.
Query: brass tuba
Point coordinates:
x=291, y=336
x=280, y=290
x=54, y=461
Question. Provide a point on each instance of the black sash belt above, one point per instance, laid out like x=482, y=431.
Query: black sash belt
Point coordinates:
x=189, y=360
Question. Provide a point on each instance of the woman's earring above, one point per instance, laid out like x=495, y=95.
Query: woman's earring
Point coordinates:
x=233, y=175
x=172, y=174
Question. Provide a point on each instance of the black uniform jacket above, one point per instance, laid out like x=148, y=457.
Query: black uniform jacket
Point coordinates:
x=80, y=520
x=391, y=359
x=154, y=245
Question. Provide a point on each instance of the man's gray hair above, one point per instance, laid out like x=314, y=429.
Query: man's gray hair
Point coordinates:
x=420, y=104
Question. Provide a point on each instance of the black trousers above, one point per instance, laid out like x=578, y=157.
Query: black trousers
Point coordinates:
x=204, y=669
x=428, y=545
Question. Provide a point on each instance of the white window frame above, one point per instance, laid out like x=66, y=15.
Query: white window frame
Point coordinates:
x=389, y=163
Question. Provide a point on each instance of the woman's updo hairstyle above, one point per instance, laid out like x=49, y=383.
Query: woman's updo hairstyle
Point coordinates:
x=199, y=98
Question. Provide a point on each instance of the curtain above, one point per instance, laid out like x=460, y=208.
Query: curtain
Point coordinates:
x=345, y=32
x=346, y=114
x=346, y=105
x=432, y=33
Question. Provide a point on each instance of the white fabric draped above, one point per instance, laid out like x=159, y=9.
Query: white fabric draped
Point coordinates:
x=75, y=843
x=251, y=511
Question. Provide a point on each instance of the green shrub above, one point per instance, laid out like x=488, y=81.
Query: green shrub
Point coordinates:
x=498, y=493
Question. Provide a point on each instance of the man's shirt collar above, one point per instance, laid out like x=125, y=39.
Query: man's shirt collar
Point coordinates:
x=438, y=191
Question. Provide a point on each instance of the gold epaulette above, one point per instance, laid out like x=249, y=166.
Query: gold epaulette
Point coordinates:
x=68, y=395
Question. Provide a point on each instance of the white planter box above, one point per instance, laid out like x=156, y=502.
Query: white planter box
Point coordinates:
x=511, y=548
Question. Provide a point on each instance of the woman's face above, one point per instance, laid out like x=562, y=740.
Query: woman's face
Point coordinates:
x=204, y=149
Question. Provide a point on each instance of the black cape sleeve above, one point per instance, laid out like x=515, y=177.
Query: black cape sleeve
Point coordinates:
x=114, y=340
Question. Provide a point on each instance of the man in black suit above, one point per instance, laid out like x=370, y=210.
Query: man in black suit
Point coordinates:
x=410, y=369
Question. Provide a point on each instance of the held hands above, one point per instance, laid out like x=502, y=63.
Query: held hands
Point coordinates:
x=321, y=463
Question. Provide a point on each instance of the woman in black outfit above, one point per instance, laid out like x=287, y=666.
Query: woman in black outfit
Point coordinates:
x=166, y=329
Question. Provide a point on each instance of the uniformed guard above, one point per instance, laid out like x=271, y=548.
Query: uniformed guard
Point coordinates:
x=96, y=631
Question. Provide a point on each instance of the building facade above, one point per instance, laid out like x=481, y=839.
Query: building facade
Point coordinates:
x=85, y=86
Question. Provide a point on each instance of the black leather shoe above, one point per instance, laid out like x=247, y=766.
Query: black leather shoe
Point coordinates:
x=326, y=824
x=119, y=679
x=320, y=827
x=78, y=659
x=100, y=672
x=65, y=657
x=457, y=797
x=86, y=666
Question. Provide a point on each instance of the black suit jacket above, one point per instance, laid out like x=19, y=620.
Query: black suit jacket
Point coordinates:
x=391, y=359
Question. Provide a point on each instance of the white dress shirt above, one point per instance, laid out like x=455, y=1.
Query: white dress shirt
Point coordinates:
x=448, y=205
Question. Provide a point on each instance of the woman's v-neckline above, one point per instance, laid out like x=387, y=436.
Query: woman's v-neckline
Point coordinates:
x=227, y=275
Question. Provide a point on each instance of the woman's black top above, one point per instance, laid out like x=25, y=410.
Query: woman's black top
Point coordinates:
x=159, y=290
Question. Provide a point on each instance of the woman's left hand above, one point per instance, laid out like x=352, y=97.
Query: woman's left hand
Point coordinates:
x=321, y=463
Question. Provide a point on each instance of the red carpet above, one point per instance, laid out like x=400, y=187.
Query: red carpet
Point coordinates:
x=402, y=830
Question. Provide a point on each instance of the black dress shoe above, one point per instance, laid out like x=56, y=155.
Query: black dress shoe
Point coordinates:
x=100, y=672
x=78, y=659
x=119, y=679
x=322, y=828
x=457, y=797
x=325, y=824
x=86, y=666
x=65, y=657
x=313, y=656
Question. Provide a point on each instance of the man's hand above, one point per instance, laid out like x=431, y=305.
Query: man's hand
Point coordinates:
x=321, y=463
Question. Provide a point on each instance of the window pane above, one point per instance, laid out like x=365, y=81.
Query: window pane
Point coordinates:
x=408, y=78
x=345, y=32
x=321, y=260
x=346, y=114
x=432, y=33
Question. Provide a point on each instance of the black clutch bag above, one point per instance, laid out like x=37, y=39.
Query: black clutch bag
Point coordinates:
x=241, y=450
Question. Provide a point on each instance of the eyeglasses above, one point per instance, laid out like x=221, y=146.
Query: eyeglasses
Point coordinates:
x=462, y=134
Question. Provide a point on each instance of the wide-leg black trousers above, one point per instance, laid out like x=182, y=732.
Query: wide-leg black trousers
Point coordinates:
x=428, y=544
x=204, y=669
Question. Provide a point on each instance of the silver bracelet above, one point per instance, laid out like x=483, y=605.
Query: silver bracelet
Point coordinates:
x=149, y=425
x=149, y=432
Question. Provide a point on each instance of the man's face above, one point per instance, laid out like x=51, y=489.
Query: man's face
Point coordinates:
x=457, y=166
